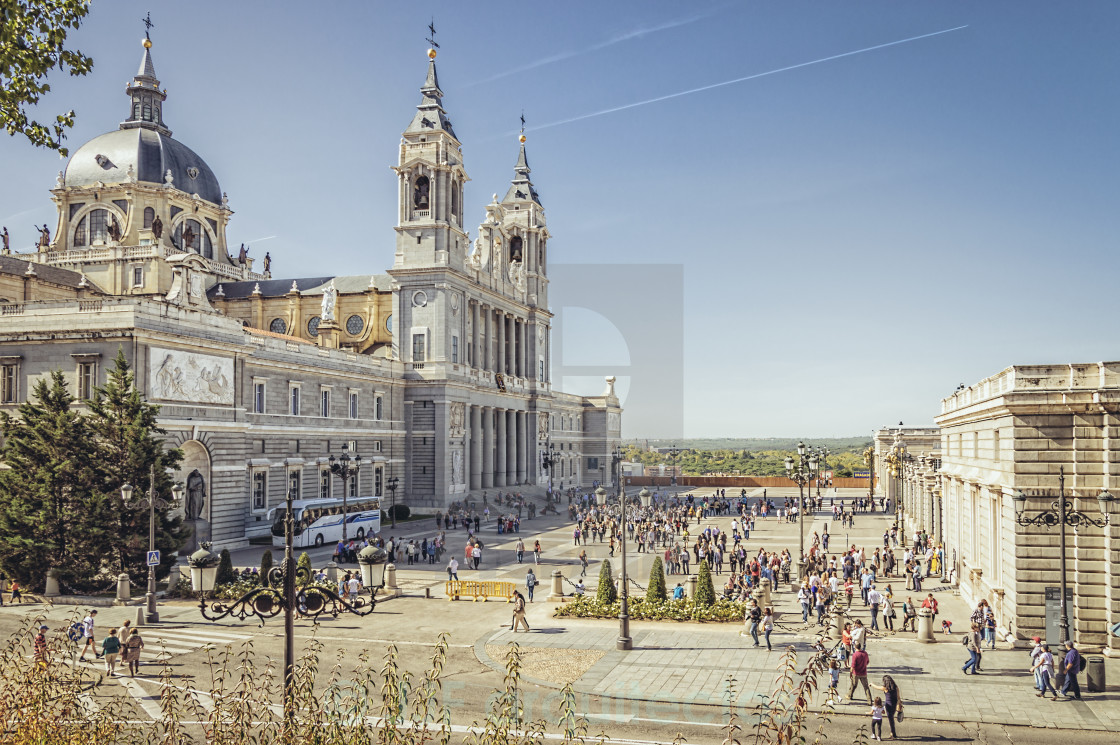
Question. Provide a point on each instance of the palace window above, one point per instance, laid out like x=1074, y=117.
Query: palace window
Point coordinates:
x=325, y=402
x=324, y=484
x=294, y=485
x=137, y=276
x=418, y=348
x=378, y=407
x=352, y=487
x=9, y=392
x=455, y=350
x=258, y=398
x=87, y=378
x=293, y=396
x=149, y=217
x=353, y=404
x=378, y=481
x=260, y=491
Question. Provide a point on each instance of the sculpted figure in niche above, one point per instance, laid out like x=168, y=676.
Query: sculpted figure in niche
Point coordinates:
x=114, y=229
x=267, y=262
x=196, y=495
x=157, y=228
x=188, y=238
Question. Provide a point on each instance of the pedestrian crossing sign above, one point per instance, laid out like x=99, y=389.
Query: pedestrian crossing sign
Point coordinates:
x=153, y=558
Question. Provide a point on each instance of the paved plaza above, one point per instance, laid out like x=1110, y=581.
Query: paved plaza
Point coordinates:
x=676, y=675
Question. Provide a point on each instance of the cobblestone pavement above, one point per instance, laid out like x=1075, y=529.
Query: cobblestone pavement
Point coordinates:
x=675, y=665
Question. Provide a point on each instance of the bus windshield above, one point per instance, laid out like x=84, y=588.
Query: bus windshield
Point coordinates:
x=278, y=517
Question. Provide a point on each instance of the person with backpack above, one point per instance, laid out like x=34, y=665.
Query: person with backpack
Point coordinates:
x=530, y=583
x=971, y=641
x=1074, y=663
x=87, y=634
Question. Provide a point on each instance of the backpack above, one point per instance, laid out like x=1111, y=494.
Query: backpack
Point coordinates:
x=1082, y=663
x=964, y=640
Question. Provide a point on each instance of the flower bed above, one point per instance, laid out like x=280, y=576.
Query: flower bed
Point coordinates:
x=723, y=611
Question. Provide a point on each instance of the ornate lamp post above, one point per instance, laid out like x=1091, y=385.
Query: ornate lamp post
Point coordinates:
x=548, y=462
x=625, y=641
x=392, y=485
x=822, y=460
x=802, y=472
x=895, y=461
x=152, y=503
x=345, y=468
x=869, y=461
x=1061, y=513
x=278, y=593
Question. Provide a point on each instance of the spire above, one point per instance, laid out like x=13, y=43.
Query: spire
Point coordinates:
x=430, y=116
x=145, y=97
x=521, y=188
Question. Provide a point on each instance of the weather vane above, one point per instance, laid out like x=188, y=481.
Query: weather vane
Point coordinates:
x=432, y=39
x=147, y=21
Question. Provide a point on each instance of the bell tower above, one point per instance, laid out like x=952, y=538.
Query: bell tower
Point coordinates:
x=431, y=180
x=523, y=220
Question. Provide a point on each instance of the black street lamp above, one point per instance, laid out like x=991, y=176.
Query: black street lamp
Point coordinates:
x=1061, y=513
x=392, y=485
x=152, y=503
x=345, y=468
x=548, y=462
x=278, y=593
x=896, y=460
x=822, y=460
x=625, y=641
x=802, y=472
x=869, y=461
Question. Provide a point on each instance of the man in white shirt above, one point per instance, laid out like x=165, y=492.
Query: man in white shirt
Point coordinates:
x=87, y=633
x=453, y=569
x=875, y=599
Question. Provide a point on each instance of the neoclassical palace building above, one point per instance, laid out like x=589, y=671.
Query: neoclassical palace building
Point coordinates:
x=437, y=371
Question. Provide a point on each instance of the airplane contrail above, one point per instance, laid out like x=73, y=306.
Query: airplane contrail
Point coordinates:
x=616, y=39
x=257, y=240
x=702, y=88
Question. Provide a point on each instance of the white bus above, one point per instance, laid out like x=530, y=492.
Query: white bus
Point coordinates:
x=318, y=522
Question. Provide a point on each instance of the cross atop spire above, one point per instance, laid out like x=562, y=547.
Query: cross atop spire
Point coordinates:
x=147, y=21
x=431, y=39
x=145, y=97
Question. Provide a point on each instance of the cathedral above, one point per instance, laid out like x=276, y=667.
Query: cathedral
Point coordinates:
x=436, y=371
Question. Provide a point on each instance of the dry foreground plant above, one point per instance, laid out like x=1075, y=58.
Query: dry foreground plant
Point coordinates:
x=53, y=702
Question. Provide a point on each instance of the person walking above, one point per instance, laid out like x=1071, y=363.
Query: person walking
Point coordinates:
x=87, y=634
x=583, y=563
x=16, y=596
x=520, y=550
x=537, y=552
x=111, y=650
x=132, y=648
x=859, y=635
x=877, y=712
x=858, y=667
x=972, y=643
x=518, y=612
x=874, y=599
x=804, y=597
x=42, y=658
x=1072, y=666
x=530, y=583
x=476, y=556
x=453, y=569
x=754, y=617
x=768, y=626
x=888, y=612
x=892, y=704
x=1044, y=671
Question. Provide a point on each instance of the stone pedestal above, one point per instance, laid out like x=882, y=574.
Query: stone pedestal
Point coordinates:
x=124, y=589
x=391, y=578
x=331, y=570
x=329, y=334
x=52, y=590
x=925, y=626
x=556, y=593
x=764, y=585
x=690, y=586
x=836, y=625
x=140, y=619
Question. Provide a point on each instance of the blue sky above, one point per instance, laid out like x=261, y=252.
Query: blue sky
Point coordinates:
x=857, y=236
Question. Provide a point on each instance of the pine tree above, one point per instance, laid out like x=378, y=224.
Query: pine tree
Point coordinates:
x=129, y=447
x=655, y=592
x=606, y=593
x=705, y=592
x=266, y=565
x=304, y=568
x=225, y=573
x=51, y=515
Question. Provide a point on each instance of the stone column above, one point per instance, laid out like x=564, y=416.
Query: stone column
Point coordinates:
x=501, y=324
x=487, y=447
x=511, y=447
x=500, y=447
x=522, y=448
x=476, y=447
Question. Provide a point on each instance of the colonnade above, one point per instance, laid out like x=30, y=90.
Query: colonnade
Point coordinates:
x=501, y=447
x=499, y=341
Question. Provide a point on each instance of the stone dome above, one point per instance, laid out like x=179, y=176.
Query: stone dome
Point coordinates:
x=151, y=154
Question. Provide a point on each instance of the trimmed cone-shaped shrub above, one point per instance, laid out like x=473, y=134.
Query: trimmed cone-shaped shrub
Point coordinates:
x=304, y=562
x=266, y=565
x=705, y=592
x=655, y=591
x=606, y=592
x=225, y=573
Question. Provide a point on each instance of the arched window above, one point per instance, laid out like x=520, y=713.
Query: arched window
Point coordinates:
x=455, y=200
x=147, y=111
x=199, y=238
x=515, y=253
x=136, y=108
x=92, y=228
x=420, y=193
x=149, y=217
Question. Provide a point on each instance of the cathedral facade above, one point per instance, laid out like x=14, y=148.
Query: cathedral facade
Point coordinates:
x=436, y=372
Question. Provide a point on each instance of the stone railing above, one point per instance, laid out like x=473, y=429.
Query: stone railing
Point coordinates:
x=1026, y=378
x=134, y=253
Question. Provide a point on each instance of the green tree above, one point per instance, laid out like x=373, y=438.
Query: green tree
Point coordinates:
x=32, y=44
x=51, y=514
x=655, y=591
x=129, y=448
x=705, y=592
x=266, y=565
x=225, y=573
x=606, y=592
